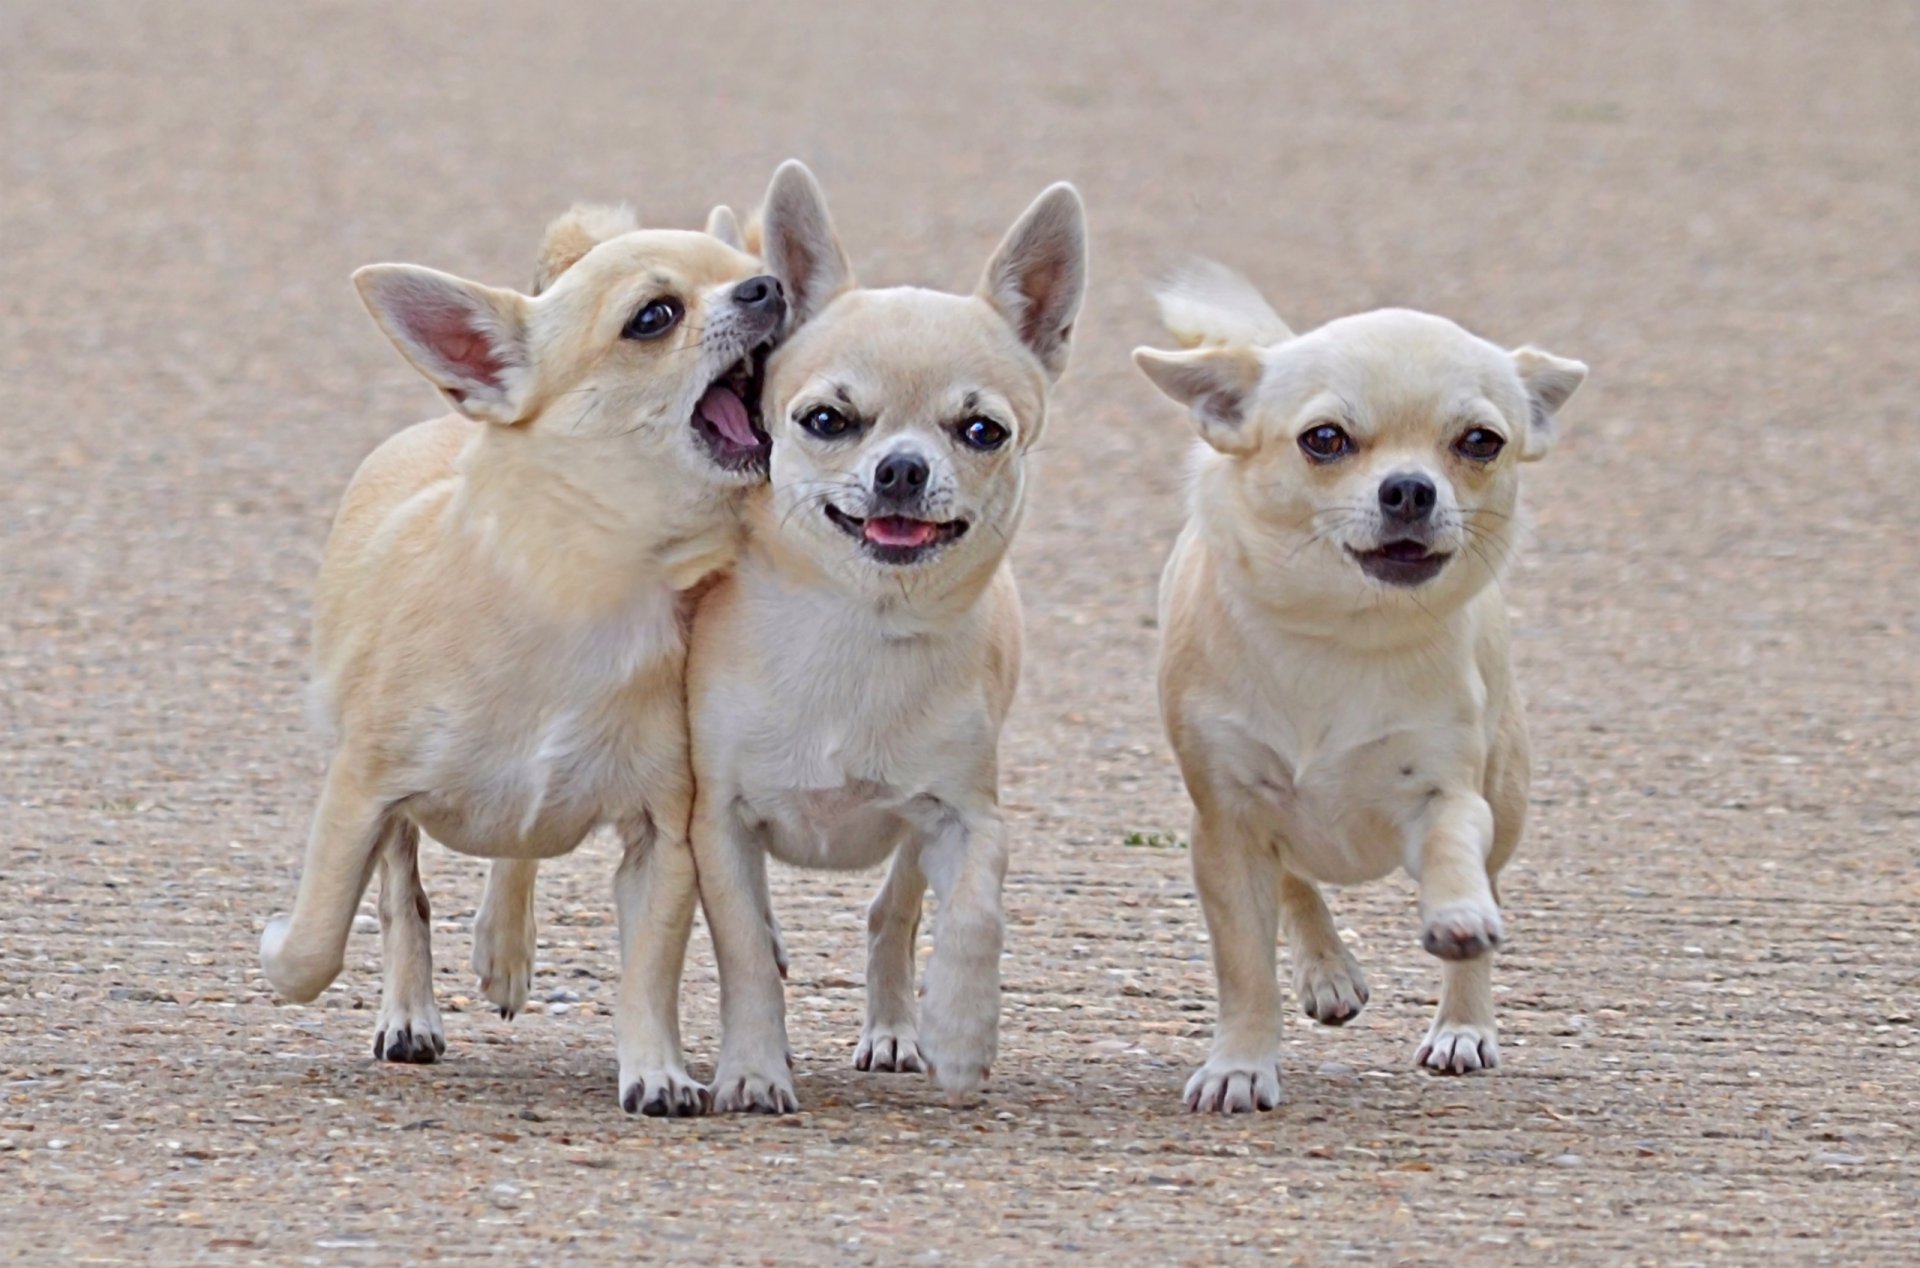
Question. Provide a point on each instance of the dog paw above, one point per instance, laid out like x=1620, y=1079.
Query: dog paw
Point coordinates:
x=1227, y=1086
x=1331, y=988
x=503, y=961
x=886, y=1049
x=410, y=1035
x=1458, y=1048
x=297, y=977
x=663, y=1093
x=739, y=1089
x=1462, y=931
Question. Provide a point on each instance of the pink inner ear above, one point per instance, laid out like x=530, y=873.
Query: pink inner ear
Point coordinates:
x=467, y=352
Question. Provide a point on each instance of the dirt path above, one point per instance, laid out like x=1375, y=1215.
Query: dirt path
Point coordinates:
x=1709, y=1006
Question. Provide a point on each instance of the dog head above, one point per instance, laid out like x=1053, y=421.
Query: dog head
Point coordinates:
x=1376, y=455
x=640, y=349
x=901, y=417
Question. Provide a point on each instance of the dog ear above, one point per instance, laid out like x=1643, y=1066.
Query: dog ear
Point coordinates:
x=1549, y=381
x=469, y=340
x=1038, y=276
x=582, y=228
x=798, y=242
x=1217, y=384
x=724, y=225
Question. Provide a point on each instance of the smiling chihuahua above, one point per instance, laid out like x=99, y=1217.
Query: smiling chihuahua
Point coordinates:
x=1334, y=675
x=500, y=621
x=848, y=680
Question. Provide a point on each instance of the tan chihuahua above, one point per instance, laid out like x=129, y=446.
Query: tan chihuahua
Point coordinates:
x=1335, y=675
x=500, y=620
x=849, y=679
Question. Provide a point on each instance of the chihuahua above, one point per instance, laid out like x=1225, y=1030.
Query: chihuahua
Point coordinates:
x=500, y=620
x=848, y=680
x=1335, y=674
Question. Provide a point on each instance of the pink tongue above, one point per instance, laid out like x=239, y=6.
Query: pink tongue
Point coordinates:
x=728, y=415
x=893, y=530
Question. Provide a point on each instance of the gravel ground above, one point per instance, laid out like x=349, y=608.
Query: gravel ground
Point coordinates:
x=1709, y=1002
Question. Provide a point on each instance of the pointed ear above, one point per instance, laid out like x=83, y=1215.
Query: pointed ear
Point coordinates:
x=582, y=228
x=1217, y=384
x=798, y=242
x=1038, y=276
x=724, y=225
x=1549, y=381
x=469, y=340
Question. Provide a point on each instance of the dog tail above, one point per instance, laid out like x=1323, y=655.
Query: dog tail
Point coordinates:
x=582, y=228
x=1208, y=305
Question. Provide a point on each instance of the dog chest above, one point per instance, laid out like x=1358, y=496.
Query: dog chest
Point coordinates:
x=1345, y=809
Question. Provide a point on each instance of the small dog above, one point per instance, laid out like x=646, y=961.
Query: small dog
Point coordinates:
x=500, y=620
x=848, y=680
x=1334, y=675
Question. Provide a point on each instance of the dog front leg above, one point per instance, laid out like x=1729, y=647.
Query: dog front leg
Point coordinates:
x=302, y=952
x=654, y=890
x=1460, y=924
x=409, y=1027
x=1237, y=875
x=504, y=935
x=753, y=1073
x=966, y=859
x=891, y=1040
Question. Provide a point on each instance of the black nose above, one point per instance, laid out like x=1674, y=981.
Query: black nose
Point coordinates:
x=901, y=475
x=1407, y=498
x=760, y=292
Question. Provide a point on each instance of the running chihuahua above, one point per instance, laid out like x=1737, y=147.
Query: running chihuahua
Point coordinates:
x=500, y=621
x=1335, y=674
x=848, y=680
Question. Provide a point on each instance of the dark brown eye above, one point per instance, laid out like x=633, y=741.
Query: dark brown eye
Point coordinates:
x=1479, y=445
x=1325, y=442
x=983, y=433
x=654, y=319
x=824, y=422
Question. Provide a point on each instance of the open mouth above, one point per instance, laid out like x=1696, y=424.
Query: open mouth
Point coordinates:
x=897, y=539
x=728, y=415
x=1401, y=563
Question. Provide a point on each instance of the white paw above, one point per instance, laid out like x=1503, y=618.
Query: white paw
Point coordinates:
x=503, y=961
x=753, y=1088
x=959, y=1058
x=1458, y=1048
x=1331, y=988
x=409, y=1032
x=296, y=977
x=1463, y=930
x=663, y=1092
x=889, y=1048
x=1227, y=1086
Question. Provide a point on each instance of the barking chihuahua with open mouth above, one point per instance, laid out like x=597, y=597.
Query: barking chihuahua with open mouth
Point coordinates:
x=500, y=620
x=1335, y=675
x=848, y=680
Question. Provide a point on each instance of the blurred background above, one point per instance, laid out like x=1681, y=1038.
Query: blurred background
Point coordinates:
x=1708, y=1004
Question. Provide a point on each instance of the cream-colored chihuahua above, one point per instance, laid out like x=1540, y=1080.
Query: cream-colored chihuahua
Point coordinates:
x=500, y=620
x=848, y=680
x=1334, y=675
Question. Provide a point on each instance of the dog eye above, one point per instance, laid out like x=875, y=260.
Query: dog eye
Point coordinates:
x=654, y=320
x=1479, y=445
x=983, y=433
x=1326, y=442
x=825, y=422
